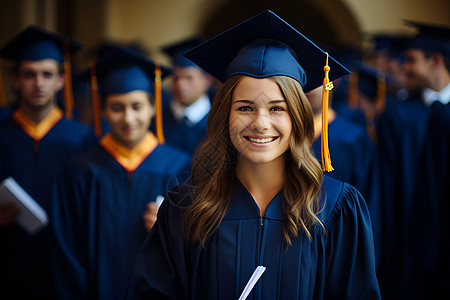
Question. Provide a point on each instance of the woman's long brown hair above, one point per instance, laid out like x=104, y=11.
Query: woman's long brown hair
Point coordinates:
x=214, y=162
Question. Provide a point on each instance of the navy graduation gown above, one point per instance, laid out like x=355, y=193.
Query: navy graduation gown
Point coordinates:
x=353, y=159
x=351, y=153
x=25, y=269
x=431, y=243
x=98, y=218
x=401, y=139
x=5, y=112
x=338, y=263
x=182, y=135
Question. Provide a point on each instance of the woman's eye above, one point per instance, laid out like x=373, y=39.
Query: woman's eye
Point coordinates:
x=244, y=108
x=277, y=108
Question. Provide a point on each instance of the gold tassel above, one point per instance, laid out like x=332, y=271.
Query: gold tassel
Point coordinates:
x=2, y=89
x=158, y=104
x=95, y=101
x=68, y=97
x=327, y=86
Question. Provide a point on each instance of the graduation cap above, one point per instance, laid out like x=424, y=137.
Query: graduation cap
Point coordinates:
x=121, y=70
x=34, y=44
x=265, y=45
x=393, y=44
x=176, y=51
x=431, y=37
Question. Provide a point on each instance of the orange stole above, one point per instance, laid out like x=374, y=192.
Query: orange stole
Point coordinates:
x=37, y=130
x=128, y=158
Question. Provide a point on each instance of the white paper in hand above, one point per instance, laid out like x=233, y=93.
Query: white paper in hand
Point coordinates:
x=32, y=217
x=252, y=281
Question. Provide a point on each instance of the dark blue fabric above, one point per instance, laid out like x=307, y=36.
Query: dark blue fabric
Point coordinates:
x=98, y=207
x=181, y=134
x=34, y=43
x=353, y=159
x=338, y=263
x=351, y=151
x=5, y=112
x=26, y=259
x=430, y=255
x=401, y=139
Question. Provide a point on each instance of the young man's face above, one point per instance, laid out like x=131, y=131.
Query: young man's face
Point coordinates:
x=37, y=82
x=417, y=69
x=189, y=84
x=129, y=115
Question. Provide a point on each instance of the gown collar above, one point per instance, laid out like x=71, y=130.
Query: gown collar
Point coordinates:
x=40, y=129
x=243, y=206
x=128, y=158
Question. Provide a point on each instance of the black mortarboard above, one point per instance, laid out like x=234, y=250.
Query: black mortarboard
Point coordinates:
x=263, y=46
x=176, y=51
x=431, y=37
x=35, y=43
x=121, y=70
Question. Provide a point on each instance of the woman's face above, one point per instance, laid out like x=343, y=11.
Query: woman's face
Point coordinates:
x=129, y=116
x=259, y=122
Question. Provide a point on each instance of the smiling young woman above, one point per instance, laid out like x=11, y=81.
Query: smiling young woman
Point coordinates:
x=257, y=195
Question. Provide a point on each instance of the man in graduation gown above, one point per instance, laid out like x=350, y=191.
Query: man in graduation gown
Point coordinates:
x=34, y=143
x=185, y=116
x=412, y=207
x=105, y=201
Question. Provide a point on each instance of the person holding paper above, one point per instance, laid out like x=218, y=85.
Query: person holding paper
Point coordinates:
x=257, y=196
x=35, y=140
x=106, y=197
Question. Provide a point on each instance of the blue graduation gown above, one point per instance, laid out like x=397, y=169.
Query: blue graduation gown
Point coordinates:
x=98, y=218
x=5, y=112
x=182, y=135
x=25, y=261
x=338, y=263
x=401, y=139
x=353, y=159
x=351, y=152
x=431, y=243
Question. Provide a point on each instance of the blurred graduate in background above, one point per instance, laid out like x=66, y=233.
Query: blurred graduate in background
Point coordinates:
x=108, y=197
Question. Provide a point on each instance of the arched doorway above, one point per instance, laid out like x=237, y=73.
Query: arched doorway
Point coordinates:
x=330, y=23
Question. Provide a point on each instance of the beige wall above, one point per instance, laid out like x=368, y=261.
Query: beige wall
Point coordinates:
x=385, y=15
x=155, y=23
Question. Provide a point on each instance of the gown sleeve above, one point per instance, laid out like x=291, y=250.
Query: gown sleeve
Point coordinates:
x=160, y=271
x=350, y=256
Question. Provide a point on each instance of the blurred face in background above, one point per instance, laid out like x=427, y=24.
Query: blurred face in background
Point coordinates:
x=37, y=82
x=189, y=84
x=417, y=69
x=129, y=116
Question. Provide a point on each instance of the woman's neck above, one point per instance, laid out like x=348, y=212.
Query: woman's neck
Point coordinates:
x=263, y=181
